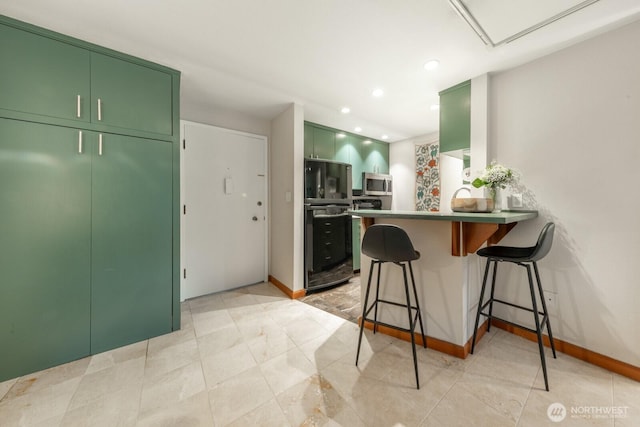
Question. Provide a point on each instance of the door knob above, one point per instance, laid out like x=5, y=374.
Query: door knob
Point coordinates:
x=255, y=218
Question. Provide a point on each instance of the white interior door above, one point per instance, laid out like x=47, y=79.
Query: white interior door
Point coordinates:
x=224, y=191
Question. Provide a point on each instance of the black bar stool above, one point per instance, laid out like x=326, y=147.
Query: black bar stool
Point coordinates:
x=524, y=257
x=389, y=243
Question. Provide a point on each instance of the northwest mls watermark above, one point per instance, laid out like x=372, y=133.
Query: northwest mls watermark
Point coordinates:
x=557, y=412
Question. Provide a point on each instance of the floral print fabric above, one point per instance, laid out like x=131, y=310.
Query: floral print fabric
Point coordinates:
x=427, y=177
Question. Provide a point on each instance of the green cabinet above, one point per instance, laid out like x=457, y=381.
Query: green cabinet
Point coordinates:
x=130, y=96
x=45, y=247
x=43, y=76
x=89, y=237
x=54, y=79
x=87, y=243
x=131, y=241
x=364, y=154
x=455, y=117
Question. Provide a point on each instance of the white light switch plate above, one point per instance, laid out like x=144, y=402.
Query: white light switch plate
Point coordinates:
x=516, y=200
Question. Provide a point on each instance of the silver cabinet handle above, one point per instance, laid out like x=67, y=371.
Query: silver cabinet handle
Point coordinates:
x=79, y=142
x=99, y=109
x=100, y=145
x=78, y=107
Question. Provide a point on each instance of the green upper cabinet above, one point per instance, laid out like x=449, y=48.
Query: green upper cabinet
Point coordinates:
x=455, y=117
x=130, y=96
x=131, y=241
x=363, y=154
x=45, y=246
x=48, y=77
x=324, y=143
x=43, y=76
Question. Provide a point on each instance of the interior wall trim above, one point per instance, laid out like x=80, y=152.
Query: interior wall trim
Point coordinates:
x=286, y=290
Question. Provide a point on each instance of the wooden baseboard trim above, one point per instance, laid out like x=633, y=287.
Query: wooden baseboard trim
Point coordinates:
x=285, y=289
x=433, y=343
x=606, y=362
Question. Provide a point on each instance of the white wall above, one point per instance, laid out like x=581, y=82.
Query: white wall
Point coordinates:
x=286, y=198
x=570, y=123
x=228, y=119
x=402, y=166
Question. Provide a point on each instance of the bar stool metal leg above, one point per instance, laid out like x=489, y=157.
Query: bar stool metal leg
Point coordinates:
x=375, y=310
x=544, y=308
x=493, y=289
x=364, y=311
x=412, y=324
x=415, y=295
x=538, y=331
x=479, y=312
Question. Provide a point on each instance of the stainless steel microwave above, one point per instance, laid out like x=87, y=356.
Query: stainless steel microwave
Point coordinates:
x=376, y=184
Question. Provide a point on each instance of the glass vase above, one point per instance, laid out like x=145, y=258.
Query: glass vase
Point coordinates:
x=496, y=194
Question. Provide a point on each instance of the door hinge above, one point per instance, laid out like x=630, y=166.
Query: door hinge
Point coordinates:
x=184, y=209
x=184, y=273
x=184, y=144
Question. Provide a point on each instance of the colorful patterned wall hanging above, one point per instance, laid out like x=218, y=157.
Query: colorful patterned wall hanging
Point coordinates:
x=427, y=177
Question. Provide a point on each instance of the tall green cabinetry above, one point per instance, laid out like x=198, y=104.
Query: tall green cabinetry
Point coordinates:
x=89, y=181
x=455, y=117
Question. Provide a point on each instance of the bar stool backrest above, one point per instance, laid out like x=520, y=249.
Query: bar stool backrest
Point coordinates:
x=545, y=240
x=388, y=243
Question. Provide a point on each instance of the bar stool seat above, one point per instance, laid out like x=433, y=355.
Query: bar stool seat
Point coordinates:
x=524, y=257
x=390, y=244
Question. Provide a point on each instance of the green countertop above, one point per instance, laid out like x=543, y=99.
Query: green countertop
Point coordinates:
x=503, y=217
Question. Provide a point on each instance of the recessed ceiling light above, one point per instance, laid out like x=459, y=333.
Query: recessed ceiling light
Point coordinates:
x=435, y=107
x=366, y=141
x=345, y=110
x=358, y=129
x=431, y=64
x=385, y=137
x=340, y=135
x=377, y=92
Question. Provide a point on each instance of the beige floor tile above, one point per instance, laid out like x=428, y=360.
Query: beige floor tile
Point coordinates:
x=239, y=395
x=315, y=401
x=40, y=407
x=207, y=322
x=119, y=408
x=218, y=341
x=205, y=304
x=193, y=411
x=626, y=397
x=161, y=342
x=5, y=386
x=325, y=349
x=166, y=359
x=111, y=358
x=174, y=386
x=43, y=380
x=287, y=369
x=303, y=329
x=271, y=341
x=268, y=415
x=106, y=381
x=227, y=364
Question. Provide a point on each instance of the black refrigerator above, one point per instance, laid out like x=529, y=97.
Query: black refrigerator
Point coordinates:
x=328, y=245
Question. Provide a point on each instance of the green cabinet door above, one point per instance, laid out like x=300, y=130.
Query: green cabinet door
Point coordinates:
x=308, y=141
x=357, y=161
x=344, y=148
x=44, y=247
x=455, y=117
x=131, y=247
x=324, y=143
x=383, y=156
x=42, y=76
x=130, y=96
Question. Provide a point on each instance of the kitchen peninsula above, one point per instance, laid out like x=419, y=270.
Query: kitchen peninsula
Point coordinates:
x=448, y=273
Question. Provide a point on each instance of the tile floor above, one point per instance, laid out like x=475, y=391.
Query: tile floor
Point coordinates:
x=252, y=357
